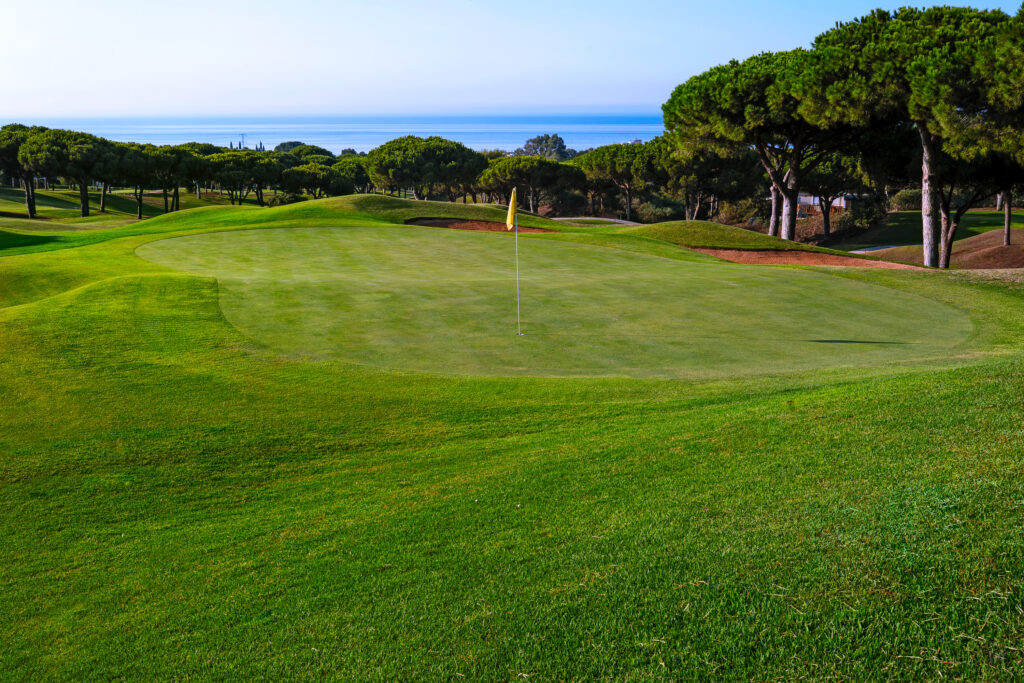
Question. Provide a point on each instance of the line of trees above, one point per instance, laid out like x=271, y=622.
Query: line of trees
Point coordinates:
x=545, y=170
x=33, y=155
x=939, y=89
x=663, y=179
x=660, y=179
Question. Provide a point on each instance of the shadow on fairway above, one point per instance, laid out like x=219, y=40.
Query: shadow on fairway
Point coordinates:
x=855, y=341
x=11, y=240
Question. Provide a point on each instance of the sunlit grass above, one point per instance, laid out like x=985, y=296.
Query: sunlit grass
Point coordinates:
x=181, y=500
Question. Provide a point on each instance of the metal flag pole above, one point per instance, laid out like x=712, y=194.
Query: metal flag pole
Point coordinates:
x=519, y=324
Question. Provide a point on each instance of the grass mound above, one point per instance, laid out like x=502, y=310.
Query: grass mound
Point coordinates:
x=903, y=228
x=708, y=235
x=983, y=251
x=352, y=210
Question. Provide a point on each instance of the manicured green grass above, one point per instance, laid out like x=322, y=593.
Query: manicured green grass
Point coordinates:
x=13, y=199
x=350, y=211
x=180, y=499
x=443, y=301
x=591, y=221
x=59, y=210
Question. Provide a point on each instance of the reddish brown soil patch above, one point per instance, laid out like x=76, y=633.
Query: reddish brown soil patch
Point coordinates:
x=807, y=258
x=457, y=224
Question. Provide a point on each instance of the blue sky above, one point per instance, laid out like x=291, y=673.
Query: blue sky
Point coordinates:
x=320, y=57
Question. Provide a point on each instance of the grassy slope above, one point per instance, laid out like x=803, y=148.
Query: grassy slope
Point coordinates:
x=904, y=228
x=350, y=210
x=707, y=235
x=60, y=209
x=178, y=502
x=964, y=250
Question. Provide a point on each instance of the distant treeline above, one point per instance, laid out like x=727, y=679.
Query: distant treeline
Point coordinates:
x=610, y=179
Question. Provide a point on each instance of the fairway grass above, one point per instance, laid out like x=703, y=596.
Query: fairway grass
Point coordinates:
x=443, y=301
x=195, y=486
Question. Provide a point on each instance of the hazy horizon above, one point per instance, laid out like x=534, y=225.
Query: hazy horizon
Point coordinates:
x=363, y=133
x=117, y=58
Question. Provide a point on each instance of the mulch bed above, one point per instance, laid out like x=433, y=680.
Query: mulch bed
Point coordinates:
x=805, y=258
x=457, y=224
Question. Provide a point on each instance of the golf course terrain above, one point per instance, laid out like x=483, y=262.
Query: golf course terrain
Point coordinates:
x=306, y=442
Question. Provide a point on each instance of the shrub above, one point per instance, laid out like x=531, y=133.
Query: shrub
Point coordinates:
x=568, y=203
x=740, y=212
x=864, y=214
x=282, y=198
x=659, y=210
x=906, y=200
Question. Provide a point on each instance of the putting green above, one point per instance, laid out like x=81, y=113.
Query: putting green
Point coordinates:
x=443, y=301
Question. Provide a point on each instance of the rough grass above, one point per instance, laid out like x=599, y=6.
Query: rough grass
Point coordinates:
x=179, y=501
x=708, y=235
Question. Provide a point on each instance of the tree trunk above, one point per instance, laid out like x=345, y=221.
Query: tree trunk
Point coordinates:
x=138, y=202
x=949, y=226
x=629, y=202
x=790, y=204
x=166, y=209
x=103, y=197
x=693, y=206
x=950, y=223
x=30, y=197
x=1007, y=216
x=826, y=214
x=931, y=222
x=199, y=190
x=773, y=222
x=83, y=195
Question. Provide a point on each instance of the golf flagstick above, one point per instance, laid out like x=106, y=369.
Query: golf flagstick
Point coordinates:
x=512, y=222
x=519, y=324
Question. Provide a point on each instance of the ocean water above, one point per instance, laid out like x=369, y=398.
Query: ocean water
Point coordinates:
x=365, y=133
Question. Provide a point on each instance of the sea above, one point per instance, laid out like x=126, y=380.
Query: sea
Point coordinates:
x=362, y=134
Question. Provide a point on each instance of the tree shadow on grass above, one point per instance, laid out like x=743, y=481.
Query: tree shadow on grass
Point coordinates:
x=856, y=341
x=13, y=240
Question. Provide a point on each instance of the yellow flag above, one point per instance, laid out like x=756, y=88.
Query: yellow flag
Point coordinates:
x=510, y=221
